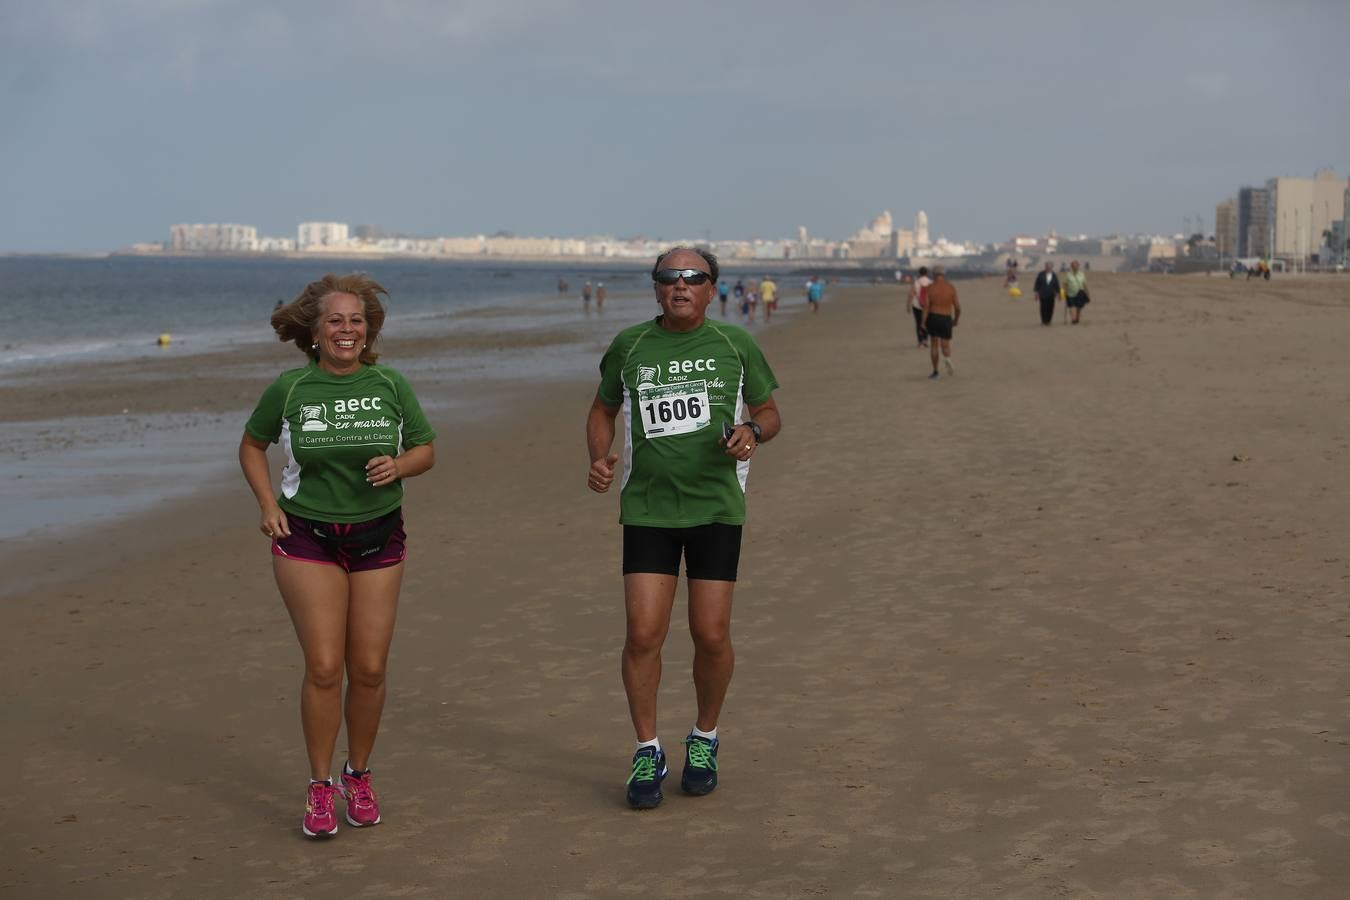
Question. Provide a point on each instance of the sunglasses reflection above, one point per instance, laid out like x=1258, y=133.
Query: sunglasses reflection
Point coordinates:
x=690, y=276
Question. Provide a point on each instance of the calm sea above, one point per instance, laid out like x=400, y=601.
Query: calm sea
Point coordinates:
x=63, y=310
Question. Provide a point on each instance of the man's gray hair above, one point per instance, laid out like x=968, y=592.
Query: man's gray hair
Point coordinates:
x=707, y=255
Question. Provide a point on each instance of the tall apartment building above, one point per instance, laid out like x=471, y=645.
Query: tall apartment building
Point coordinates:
x=1253, y=222
x=1302, y=208
x=1338, y=242
x=1345, y=227
x=212, y=238
x=315, y=235
x=1225, y=228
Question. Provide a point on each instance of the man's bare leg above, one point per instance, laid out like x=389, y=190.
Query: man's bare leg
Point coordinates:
x=648, y=600
x=714, y=657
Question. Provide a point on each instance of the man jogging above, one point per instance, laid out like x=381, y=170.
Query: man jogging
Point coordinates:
x=697, y=398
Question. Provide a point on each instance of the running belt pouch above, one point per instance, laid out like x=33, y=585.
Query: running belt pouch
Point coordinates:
x=364, y=543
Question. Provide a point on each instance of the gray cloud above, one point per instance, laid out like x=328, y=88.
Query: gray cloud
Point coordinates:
x=565, y=118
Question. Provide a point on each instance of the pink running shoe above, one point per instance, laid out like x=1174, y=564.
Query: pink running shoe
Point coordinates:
x=363, y=806
x=320, y=812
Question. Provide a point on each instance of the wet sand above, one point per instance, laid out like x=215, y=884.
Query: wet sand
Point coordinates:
x=94, y=440
x=1070, y=623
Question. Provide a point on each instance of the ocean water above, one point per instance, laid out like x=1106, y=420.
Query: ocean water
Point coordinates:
x=66, y=316
x=61, y=310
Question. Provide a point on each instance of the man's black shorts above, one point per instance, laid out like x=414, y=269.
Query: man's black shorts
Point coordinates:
x=711, y=552
x=939, y=326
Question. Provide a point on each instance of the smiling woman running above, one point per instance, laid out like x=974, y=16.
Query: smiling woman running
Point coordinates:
x=351, y=431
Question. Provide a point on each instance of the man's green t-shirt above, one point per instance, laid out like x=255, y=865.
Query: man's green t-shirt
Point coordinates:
x=330, y=426
x=676, y=390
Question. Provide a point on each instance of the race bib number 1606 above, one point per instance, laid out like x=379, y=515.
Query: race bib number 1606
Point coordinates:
x=668, y=409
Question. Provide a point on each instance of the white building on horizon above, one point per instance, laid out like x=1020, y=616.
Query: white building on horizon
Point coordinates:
x=212, y=238
x=902, y=243
x=274, y=245
x=943, y=248
x=874, y=239
x=323, y=235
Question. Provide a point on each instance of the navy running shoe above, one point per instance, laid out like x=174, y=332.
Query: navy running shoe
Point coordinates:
x=644, y=785
x=700, y=765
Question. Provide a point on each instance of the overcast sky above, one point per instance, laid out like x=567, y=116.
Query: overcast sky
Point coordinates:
x=735, y=119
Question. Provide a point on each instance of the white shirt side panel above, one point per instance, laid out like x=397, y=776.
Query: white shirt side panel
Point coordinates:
x=627, y=416
x=627, y=437
x=742, y=465
x=290, y=476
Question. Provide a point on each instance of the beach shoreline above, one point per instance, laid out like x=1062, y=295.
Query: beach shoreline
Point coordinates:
x=86, y=439
x=1071, y=622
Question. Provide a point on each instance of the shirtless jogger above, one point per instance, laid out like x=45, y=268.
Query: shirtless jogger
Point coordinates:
x=939, y=318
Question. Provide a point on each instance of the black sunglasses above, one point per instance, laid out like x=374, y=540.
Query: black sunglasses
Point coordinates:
x=690, y=276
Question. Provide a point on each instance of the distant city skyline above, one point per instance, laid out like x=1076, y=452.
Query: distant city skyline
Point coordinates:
x=879, y=242
x=603, y=117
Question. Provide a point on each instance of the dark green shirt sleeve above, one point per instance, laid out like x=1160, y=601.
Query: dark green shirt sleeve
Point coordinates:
x=611, y=373
x=265, y=422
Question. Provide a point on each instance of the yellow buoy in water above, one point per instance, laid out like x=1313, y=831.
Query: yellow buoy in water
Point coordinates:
x=1014, y=291
x=165, y=339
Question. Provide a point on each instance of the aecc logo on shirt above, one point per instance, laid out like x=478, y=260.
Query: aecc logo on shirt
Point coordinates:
x=356, y=403
x=692, y=365
x=680, y=369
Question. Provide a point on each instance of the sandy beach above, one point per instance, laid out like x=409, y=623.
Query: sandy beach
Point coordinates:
x=1071, y=623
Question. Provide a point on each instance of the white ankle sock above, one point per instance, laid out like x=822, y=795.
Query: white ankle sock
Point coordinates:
x=654, y=742
x=706, y=735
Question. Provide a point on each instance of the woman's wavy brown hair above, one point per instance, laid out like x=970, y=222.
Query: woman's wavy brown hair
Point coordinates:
x=297, y=320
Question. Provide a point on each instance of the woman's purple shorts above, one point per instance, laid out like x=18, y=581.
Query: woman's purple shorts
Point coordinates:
x=355, y=546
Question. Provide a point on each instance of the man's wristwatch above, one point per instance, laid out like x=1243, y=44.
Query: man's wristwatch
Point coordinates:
x=755, y=429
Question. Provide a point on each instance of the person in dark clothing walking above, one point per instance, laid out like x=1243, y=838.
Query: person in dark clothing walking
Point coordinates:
x=1047, y=290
